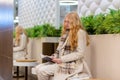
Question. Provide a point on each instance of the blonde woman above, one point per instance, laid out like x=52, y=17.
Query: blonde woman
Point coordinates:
x=69, y=56
x=19, y=49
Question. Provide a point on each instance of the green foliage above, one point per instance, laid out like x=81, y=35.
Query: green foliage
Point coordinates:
x=14, y=34
x=30, y=32
x=88, y=23
x=45, y=30
x=94, y=24
x=103, y=23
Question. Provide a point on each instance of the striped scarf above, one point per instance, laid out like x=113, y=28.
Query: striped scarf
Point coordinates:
x=67, y=67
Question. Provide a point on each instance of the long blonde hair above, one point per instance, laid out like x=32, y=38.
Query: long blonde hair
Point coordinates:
x=18, y=31
x=74, y=24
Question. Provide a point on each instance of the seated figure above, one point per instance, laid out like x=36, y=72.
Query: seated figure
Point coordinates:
x=20, y=44
x=68, y=59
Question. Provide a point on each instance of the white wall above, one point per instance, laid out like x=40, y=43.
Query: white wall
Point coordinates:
x=34, y=12
x=87, y=7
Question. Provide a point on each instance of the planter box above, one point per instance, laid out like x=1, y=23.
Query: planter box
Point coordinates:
x=103, y=56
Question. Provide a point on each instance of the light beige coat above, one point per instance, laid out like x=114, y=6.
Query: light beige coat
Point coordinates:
x=44, y=71
x=19, y=51
x=78, y=55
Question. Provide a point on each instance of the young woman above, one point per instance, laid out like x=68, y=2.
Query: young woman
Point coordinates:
x=69, y=56
x=20, y=44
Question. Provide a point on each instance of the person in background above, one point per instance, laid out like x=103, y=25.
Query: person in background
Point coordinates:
x=69, y=56
x=20, y=43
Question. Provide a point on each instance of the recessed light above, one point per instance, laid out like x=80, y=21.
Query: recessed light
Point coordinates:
x=68, y=2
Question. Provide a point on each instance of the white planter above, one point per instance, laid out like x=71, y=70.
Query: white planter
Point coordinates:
x=103, y=56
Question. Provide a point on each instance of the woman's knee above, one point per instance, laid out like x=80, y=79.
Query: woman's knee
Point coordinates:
x=46, y=70
x=38, y=66
x=41, y=70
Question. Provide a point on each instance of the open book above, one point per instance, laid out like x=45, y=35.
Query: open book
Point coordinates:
x=42, y=56
x=46, y=58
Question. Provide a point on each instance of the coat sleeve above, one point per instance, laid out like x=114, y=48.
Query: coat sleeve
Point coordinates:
x=79, y=53
x=22, y=45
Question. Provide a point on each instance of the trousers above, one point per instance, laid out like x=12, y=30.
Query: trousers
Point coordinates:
x=45, y=71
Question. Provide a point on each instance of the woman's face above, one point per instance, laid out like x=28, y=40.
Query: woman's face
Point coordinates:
x=66, y=23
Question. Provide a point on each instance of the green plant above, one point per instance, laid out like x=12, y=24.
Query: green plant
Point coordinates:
x=45, y=30
x=30, y=32
x=88, y=24
x=94, y=24
x=102, y=23
x=112, y=22
x=48, y=30
x=14, y=34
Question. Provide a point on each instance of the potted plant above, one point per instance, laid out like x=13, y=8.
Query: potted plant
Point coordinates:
x=103, y=23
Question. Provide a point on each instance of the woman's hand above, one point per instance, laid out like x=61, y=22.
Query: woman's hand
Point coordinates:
x=57, y=60
x=52, y=56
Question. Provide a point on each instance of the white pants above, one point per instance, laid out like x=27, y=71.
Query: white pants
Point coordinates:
x=44, y=71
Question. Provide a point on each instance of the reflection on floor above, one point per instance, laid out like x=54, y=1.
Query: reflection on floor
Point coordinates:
x=24, y=78
x=29, y=78
x=21, y=73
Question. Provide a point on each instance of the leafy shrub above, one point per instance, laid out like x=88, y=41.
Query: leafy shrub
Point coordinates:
x=103, y=23
x=94, y=24
x=45, y=30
